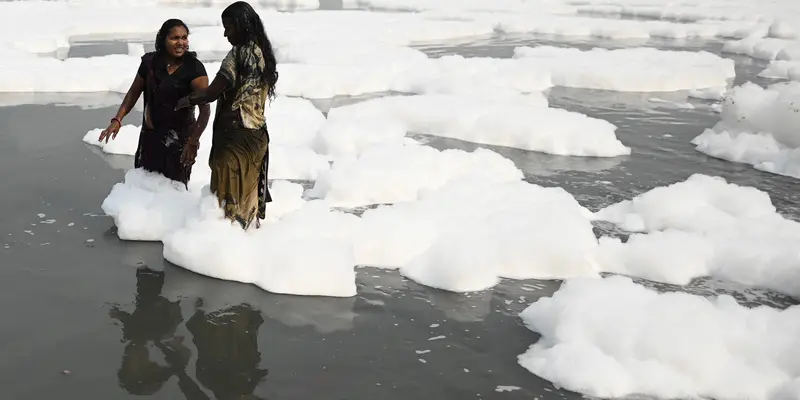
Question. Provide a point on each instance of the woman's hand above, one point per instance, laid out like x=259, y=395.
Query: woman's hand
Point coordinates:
x=189, y=154
x=183, y=103
x=110, y=132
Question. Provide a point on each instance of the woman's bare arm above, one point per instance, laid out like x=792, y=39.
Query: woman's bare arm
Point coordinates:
x=200, y=84
x=136, y=89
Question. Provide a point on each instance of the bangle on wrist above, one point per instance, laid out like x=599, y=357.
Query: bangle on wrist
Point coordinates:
x=117, y=120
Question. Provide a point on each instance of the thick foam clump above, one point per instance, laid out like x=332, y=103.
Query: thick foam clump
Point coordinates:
x=470, y=232
x=578, y=26
x=147, y=206
x=758, y=128
x=62, y=21
x=444, y=5
x=631, y=70
x=520, y=121
x=293, y=121
x=413, y=73
x=460, y=237
x=347, y=138
x=28, y=73
x=479, y=76
x=704, y=226
x=392, y=173
x=124, y=144
x=701, y=203
x=782, y=69
x=762, y=48
x=296, y=39
x=611, y=338
x=306, y=252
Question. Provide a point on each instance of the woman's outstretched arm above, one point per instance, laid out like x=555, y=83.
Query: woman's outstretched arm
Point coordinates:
x=205, y=96
x=136, y=89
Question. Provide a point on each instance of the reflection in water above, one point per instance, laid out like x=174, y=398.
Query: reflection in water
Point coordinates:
x=115, y=161
x=226, y=340
x=325, y=315
x=469, y=307
x=155, y=320
x=227, y=351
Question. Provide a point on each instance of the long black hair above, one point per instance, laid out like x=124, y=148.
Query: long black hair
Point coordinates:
x=248, y=24
x=161, y=36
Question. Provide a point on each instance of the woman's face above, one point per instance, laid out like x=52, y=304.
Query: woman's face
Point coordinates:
x=177, y=42
x=234, y=38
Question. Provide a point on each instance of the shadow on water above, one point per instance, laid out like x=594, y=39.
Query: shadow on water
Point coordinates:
x=228, y=358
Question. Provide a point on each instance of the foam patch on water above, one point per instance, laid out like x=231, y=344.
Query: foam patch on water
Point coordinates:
x=631, y=70
x=482, y=224
x=704, y=226
x=392, y=173
x=124, y=144
x=413, y=73
x=611, y=338
x=146, y=206
x=758, y=128
x=456, y=237
x=481, y=232
x=61, y=21
x=304, y=253
x=764, y=48
x=28, y=73
x=617, y=29
x=782, y=69
x=512, y=121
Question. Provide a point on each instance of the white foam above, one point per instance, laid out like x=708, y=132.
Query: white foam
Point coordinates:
x=293, y=121
x=701, y=203
x=760, y=48
x=515, y=230
x=392, y=173
x=757, y=128
x=631, y=70
x=617, y=29
x=304, y=253
x=146, y=206
x=125, y=143
x=612, y=338
x=346, y=138
x=443, y=5
x=512, y=121
x=27, y=73
x=782, y=69
x=704, y=226
x=467, y=234
x=291, y=32
x=61, y=22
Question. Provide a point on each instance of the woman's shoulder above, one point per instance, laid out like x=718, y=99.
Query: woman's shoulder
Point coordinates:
x=196, y=65
x=149, y=56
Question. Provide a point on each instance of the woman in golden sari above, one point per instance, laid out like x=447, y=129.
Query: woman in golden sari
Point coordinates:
x=239, y=152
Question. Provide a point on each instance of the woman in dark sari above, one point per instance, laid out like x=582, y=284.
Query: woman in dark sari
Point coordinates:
x=239, y=154
x=169, y=138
